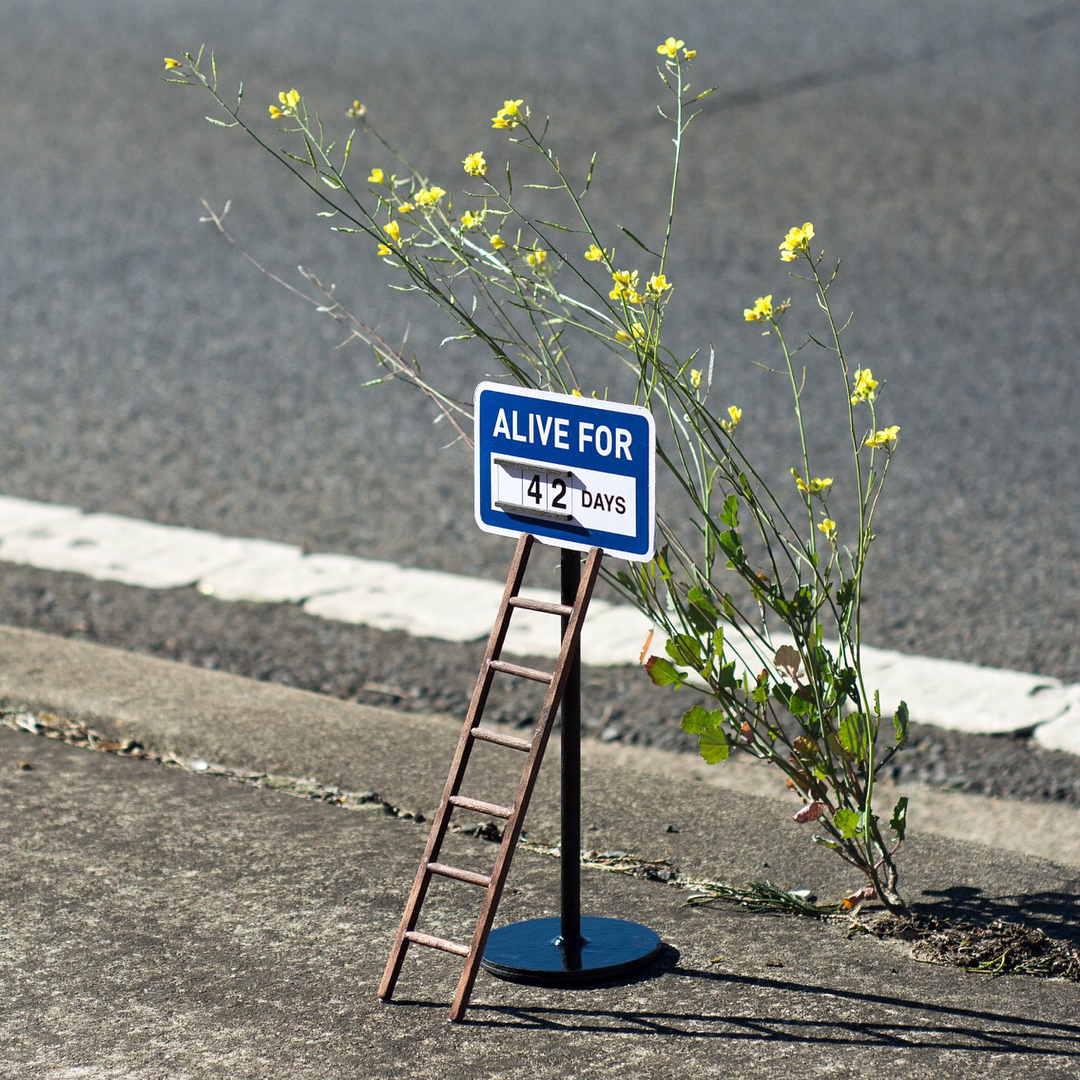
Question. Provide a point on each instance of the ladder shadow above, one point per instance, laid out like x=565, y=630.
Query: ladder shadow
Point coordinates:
x=928, y=1025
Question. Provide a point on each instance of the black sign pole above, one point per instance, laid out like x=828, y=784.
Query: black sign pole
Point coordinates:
x=570, y=851
x=569, y=950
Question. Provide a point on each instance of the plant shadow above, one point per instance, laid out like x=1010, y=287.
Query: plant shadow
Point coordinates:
x=1057, y=914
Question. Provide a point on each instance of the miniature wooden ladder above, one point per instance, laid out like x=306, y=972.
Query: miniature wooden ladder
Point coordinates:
x=572, y=616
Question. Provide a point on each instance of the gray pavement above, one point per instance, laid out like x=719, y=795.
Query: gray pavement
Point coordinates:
x=171, y=922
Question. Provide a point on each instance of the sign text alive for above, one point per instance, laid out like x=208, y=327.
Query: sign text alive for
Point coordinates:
x=572, y=471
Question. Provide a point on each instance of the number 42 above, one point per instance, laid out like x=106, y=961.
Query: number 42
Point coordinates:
x=558, y=485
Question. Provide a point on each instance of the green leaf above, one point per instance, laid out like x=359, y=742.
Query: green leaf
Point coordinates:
x=713, y=746
x=898, y=821
x=709, y=728
x=852, y=734
x=848, y=822
x=730, y=514
x=684, y=649
x=663, y=672
x=695, y=720
x=661, y=560
x=800, y=703
x=703, y=607
x=901, y=721
x=731, y=544
x=725, y=678
x=845, y=683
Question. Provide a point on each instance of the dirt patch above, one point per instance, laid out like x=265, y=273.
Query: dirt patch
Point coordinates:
x=998, y=948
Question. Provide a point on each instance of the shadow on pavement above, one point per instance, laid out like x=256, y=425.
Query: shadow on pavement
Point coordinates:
x=1056, y=913
x=935, y=1026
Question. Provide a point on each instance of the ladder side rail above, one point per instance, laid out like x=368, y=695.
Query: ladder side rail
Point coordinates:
x=410, y=916
x=512, y=830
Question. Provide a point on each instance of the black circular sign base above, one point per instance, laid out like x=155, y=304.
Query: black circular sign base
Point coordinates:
x=534, y=951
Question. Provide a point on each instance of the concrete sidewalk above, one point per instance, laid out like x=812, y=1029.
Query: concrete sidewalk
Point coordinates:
x=161, y=922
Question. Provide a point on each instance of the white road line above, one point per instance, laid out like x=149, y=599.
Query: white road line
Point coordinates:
x=453, y=607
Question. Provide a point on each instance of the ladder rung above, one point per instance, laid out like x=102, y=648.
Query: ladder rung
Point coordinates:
x=524, y=672
x=483, y=880
x=481, y=807
x=497, y=737
x=436, y=943
x=546, y=606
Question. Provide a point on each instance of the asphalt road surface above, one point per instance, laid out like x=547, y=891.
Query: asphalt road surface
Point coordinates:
x=147, y=370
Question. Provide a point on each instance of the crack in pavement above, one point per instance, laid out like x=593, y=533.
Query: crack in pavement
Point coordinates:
x=77, y=733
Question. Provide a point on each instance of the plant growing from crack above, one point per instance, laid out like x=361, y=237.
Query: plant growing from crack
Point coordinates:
x=758, y=590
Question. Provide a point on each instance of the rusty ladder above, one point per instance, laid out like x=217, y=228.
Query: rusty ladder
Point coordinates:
x=572, y=618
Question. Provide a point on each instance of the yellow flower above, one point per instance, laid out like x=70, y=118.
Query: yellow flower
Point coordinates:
x=576, y=393
x=637, y=330
x=734, y=416
x=689, y=53
x=393, y=230
x=595, y=254
x=625, y=286
x=405, y=207
x=670, y=48
x=865, y=385
x=695, y=377
x=289, y=101
x=469, y=220
x=657, y=285
x=828, y=527
x=377, y=177
x=171, y=64
x=358, y=109
x=796, y=242
x=623, y=337
x=497, y=242
x=884, y=439
x=509, y=115
x=762, y=310
x=385, y=249
x=429, y=196
x=475, y=165
x=815, y=486
x=536, y=258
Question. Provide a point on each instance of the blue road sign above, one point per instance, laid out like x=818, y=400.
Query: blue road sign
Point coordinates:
x=575, y=472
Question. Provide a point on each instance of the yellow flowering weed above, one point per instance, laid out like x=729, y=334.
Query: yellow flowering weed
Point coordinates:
x=762, y=311
x=474, y=163
x=796, y=242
